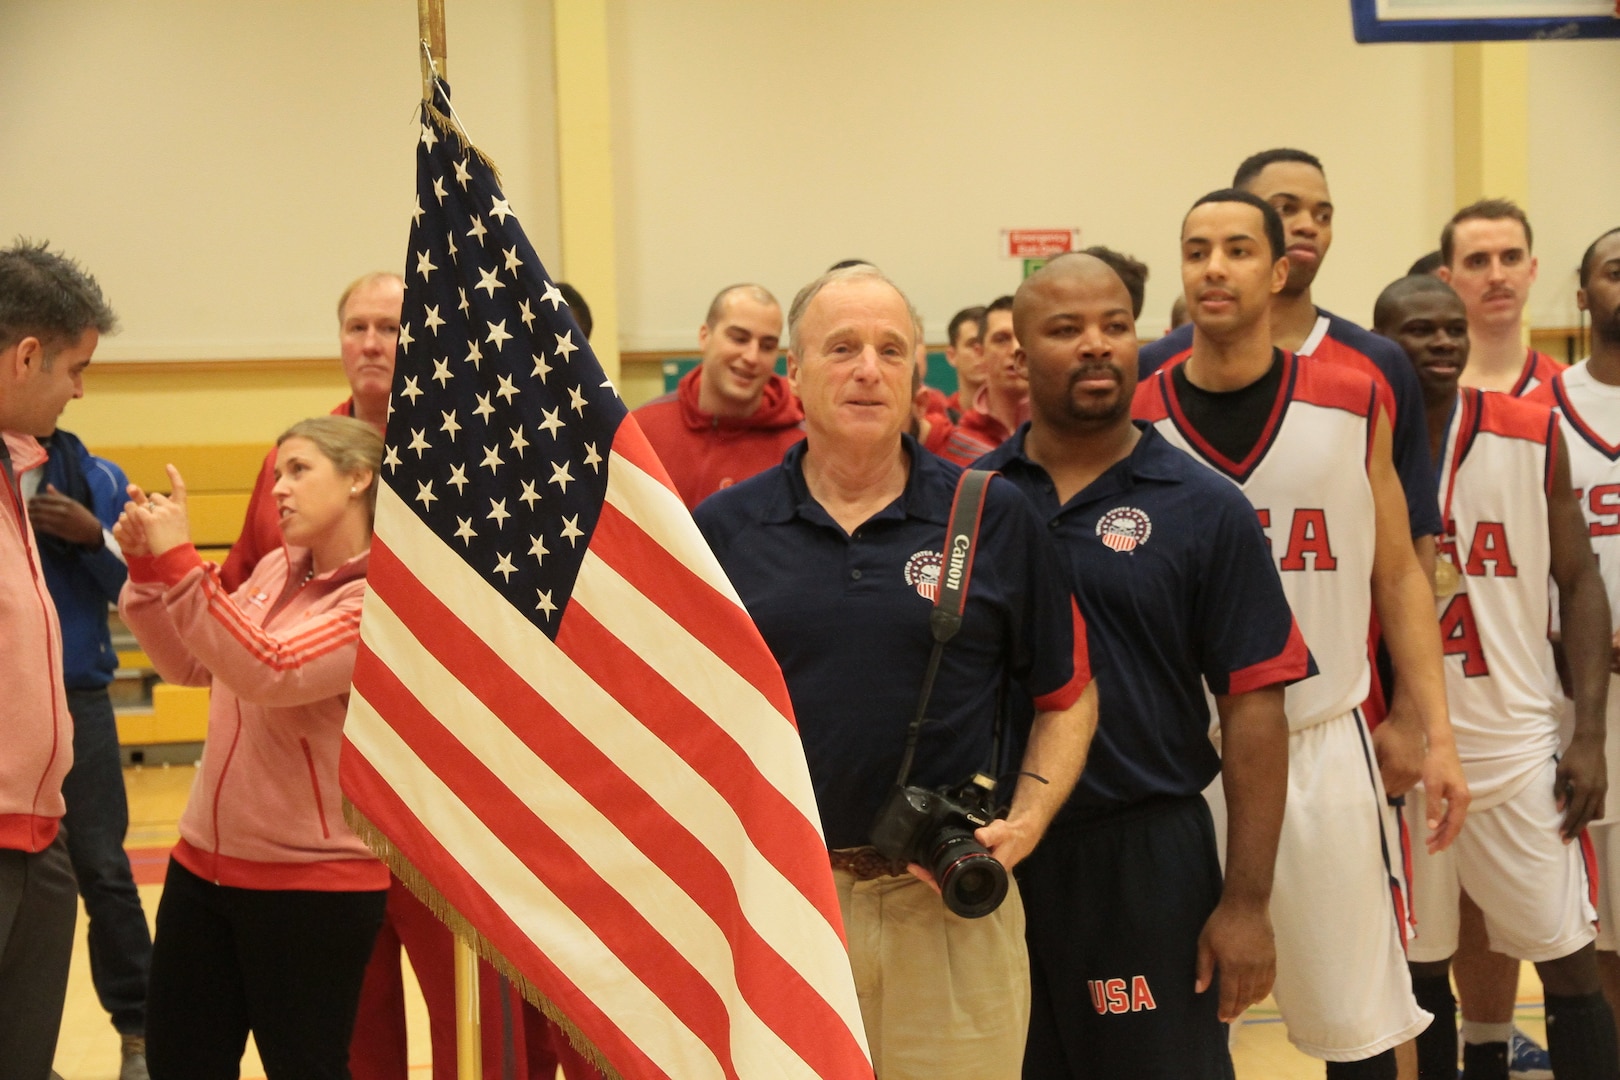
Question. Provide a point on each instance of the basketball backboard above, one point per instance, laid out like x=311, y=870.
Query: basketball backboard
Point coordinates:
x=1483, y=20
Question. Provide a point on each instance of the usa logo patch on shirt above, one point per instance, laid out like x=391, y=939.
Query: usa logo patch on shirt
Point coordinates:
x=1124, y=527
x=922, y=574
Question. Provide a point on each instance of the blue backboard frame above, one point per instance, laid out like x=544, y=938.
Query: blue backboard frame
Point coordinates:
x=1371, y=28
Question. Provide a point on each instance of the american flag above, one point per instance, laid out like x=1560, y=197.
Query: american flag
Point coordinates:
x=564, y=725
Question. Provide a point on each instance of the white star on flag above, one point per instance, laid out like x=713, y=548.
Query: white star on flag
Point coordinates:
x=571, y=531
x=489, y=282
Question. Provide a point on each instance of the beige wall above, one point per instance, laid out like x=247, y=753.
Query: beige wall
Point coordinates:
x=1574, y=164
x=766, y=141
x=225, y=167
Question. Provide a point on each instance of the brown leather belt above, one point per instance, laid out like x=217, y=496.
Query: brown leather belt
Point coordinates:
x=865, y=863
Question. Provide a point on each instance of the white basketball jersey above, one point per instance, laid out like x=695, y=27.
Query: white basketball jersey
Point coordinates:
x=1307, y=479
x=1589, y=414
x=1501, y=683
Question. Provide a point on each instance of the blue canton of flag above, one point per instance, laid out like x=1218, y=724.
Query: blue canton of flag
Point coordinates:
x=501, y=417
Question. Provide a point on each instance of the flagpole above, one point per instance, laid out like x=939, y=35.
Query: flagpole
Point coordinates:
x=469, y=1056
x=430, y=23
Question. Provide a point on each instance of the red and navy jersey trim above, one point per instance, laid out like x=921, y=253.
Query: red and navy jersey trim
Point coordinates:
x=1239, y=471
x=1539, y=366
x=1576, y=421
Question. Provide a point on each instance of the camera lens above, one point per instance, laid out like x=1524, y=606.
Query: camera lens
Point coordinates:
x=971, y=880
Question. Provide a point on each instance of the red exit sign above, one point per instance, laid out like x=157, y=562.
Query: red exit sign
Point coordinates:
x=1038, y=243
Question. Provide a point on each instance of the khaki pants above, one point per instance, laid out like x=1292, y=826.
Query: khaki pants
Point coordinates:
x=942, y=997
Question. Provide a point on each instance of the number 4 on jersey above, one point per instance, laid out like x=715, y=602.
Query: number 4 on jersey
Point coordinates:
x=1460, y=636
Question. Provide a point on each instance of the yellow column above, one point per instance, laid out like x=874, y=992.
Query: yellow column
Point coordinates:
x=1491, y=95
x=585, y=167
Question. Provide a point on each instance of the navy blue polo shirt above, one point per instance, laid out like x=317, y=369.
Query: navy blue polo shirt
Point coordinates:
x=1347, y=343
x=1177, y=589
x=846, y=616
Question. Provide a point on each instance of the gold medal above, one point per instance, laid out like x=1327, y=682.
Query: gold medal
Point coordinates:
x=1446, y=578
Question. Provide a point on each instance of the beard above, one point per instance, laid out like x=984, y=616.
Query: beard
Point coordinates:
x=1607, y=329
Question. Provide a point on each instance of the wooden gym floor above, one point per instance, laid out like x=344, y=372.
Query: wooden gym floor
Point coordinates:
x=88, y=1048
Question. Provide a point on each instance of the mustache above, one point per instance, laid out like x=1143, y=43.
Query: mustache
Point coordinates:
x=1092, y=370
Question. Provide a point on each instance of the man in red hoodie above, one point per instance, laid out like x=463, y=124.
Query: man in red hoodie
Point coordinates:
x=368, y=332
x=52, y=315
x=732, y=416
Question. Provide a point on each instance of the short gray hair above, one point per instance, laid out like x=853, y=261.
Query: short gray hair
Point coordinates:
x=858, y=272
x=365, y=281
x=47, y=295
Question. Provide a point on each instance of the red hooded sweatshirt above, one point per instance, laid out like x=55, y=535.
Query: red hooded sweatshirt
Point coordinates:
x=703, y=452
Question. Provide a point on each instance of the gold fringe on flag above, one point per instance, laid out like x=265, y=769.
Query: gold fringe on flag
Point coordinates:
x=442, y=909
x=449, y=124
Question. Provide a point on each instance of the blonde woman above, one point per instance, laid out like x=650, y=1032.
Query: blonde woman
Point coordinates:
x=271, y=903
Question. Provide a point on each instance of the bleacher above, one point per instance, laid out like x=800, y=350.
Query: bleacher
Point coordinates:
x=157, y=721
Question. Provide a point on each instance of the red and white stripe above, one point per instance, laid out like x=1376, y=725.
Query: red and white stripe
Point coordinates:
x=624, y=813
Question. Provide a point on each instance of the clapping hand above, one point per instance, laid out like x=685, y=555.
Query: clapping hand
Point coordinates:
x=157, y=523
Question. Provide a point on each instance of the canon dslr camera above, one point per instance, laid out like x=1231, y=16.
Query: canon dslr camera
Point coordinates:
x=935, y=830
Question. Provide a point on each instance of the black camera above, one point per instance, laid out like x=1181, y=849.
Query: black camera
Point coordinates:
x=935, y=830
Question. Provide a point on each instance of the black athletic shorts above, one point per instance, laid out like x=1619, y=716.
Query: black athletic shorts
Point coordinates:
x=1113, y=907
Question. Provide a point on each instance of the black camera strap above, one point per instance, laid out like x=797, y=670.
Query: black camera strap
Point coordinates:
x=956, y=567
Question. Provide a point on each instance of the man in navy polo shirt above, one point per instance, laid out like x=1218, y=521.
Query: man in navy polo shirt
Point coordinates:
x=1137, y=955
x=836, y=554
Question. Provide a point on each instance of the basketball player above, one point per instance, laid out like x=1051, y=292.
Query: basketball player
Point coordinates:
x=1308, y=443
x=1510, y=521
x=1486, y=253
x=1587, y=398
x=1294, y=183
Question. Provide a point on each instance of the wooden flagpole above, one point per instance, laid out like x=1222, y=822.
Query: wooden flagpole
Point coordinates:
x=469, y=1049
x=430, y=22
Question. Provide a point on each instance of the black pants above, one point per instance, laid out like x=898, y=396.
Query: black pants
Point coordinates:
x=283, y=963
x=38, y=906
x=96, y=822
x=1113, y=908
